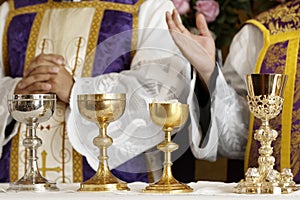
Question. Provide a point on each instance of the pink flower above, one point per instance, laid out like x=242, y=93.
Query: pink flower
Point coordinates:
x=209, y=8
x=182, y=6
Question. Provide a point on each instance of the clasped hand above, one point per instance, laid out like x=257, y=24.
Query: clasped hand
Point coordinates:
x=47, y=74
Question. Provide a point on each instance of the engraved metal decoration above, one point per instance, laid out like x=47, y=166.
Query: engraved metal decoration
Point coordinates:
x=102, y=109
x=170, y=116
x=32, y=109
x=265, y=100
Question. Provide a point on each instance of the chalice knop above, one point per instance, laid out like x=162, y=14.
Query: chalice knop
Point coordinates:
x=102, y=109
x=171, y=116
x=265, y=100
x=32, y=109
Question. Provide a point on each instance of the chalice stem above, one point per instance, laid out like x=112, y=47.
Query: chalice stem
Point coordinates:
x=103, y=145
x=103, y=141
x=31, y=143
x=167, y=147
x=168, y=160
x=265, y=135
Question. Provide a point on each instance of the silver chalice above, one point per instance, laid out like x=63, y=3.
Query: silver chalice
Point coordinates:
x=32, y=109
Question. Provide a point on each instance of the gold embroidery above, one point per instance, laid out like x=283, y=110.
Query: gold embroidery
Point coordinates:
x=92, y=42
x=77, y=167
x=272, y=56
x=63, y=153
x=135, y=28
x=281, y=19
x=43, y=169
x=80, y=39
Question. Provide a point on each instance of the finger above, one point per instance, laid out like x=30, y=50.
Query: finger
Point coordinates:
x=26, y=82
x=44, y=60
x=44, y=70
x=38, y=87
x=170, y=21
x=177, y=22
x=202, y=25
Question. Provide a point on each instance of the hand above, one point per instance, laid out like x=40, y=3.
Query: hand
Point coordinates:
x=47, y=74
x=198, y=49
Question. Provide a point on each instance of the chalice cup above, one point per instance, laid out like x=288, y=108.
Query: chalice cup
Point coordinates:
x=102, y=109
x=265, y=100
x=32, y=109
x=170, y=116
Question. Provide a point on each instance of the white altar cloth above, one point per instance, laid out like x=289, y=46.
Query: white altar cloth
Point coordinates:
x=202, y=190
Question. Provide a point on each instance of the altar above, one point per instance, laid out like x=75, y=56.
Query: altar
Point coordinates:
x=202, y=190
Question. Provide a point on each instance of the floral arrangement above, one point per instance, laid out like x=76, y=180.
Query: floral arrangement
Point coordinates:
x=224, y=17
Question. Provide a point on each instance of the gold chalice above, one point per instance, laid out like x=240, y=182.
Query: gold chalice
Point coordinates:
x=32, y=109
x=170, y=116
x=265, y=100
x=102, y=109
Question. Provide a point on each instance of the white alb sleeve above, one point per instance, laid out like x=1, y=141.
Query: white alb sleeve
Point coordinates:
x=228, y=132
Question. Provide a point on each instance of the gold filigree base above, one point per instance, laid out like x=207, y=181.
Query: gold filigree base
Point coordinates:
x=244, y=187
x=168, y=186
x=289, y=189
x=257, y=188
x=273, y=183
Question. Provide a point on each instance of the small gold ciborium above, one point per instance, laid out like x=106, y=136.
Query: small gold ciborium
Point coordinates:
x=265, y=100
x=170, y=116
x=102, y=109
x=32, y=109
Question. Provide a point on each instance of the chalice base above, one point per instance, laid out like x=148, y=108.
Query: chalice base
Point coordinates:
x=93, y=187
x=168, y=186
x=41, y=185
x=99, y=183
x=244, y=187
x=256, y=188
x=289, y=189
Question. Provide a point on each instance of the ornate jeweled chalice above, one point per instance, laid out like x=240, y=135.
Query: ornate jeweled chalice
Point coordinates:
x=170, y=116
x=102, y=109
x=265, y=100
x=32, y=109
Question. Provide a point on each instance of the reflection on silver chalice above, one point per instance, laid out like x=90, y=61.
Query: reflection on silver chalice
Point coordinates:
x=170, y=116
x=102, y=109
x=265, y=100
x=32, y=109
